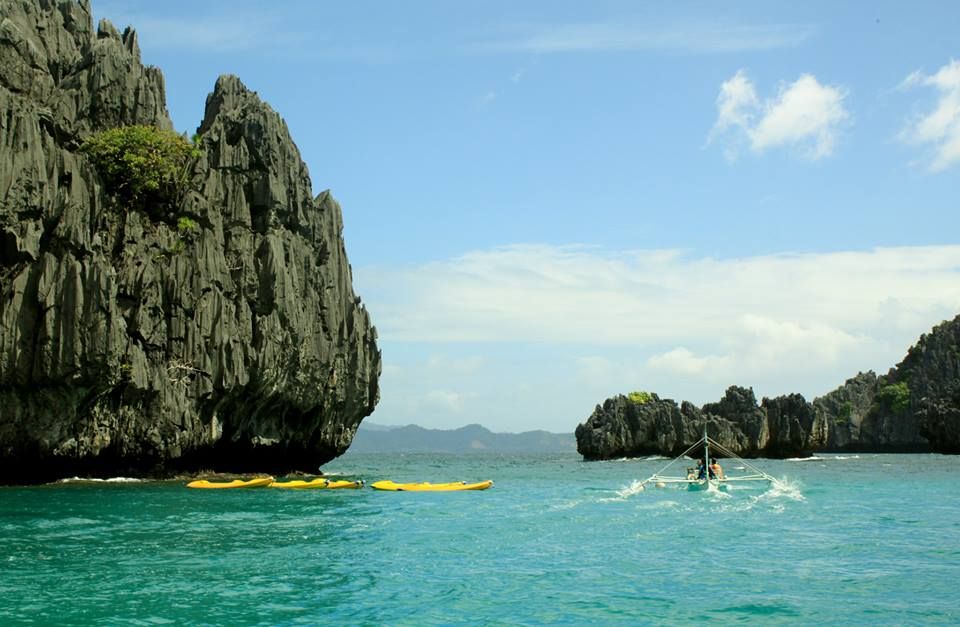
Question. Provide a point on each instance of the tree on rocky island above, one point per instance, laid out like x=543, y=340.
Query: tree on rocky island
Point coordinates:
x=895, y=396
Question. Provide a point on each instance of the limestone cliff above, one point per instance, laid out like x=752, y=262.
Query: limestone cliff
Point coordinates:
x=622, y=427
x=130, y=345
x=915, y=407
x=931, y=372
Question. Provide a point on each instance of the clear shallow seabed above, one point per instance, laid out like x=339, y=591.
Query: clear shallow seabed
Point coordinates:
x=865, y=539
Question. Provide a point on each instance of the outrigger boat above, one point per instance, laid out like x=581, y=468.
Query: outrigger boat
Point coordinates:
x=703, y=478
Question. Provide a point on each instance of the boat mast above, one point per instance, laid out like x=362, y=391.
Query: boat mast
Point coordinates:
x=706, y=455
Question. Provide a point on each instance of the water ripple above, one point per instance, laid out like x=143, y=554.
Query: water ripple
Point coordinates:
x=555, y=541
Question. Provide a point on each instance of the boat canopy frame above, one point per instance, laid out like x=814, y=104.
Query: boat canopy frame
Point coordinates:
x=706, y=442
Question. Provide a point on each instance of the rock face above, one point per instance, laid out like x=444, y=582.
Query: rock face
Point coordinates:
x=845, y=409
x=913, y=408
x=128, y=344
x=622, y=427
x=931, y=370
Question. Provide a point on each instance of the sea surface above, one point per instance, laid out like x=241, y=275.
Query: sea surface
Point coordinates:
x=839, y=539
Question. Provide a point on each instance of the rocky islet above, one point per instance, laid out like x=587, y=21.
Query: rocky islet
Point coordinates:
x=129, y=342
x=915, y=407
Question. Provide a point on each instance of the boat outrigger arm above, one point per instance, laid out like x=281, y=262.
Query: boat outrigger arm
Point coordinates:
x=689, y=478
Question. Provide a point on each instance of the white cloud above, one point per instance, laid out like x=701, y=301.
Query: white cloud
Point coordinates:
x=579, y=294
x=459, y=365
x=940, y=127
x=444, y=399
x=804, y=110
x=736, y=103
x=684, y=362
x=804, y=114
x=700, y=316
x=476, y=333
x=756, y=345
x=595, y=369
x=714, y=37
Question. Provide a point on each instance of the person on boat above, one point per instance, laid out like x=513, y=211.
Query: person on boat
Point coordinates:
x=701, y=469
x=716, y=472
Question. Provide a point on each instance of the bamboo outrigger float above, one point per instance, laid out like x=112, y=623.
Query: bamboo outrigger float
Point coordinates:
x=705, y=479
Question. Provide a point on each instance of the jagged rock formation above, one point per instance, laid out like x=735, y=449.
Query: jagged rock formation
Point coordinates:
x=931, y=370
x=622, y=427
x=845, y=409
x=129, y=345
x=913, y=408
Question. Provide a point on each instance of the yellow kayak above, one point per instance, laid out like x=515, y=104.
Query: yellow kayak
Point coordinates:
x=299, y=484
x=426, y=486
x=319, y=483
x=236, y=483
x=344, y=484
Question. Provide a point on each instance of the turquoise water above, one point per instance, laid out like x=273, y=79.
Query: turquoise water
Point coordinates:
x=868, y=539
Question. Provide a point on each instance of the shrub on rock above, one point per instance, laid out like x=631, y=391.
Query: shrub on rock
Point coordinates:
x=141, y=163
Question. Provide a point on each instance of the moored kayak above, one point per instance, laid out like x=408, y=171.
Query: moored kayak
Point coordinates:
x=426, y=486
x=300, y=484
x=345, y=484
x=319, y=483
x=259, y=482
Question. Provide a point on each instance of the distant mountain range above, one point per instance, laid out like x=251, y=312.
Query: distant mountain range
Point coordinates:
x=374, y=438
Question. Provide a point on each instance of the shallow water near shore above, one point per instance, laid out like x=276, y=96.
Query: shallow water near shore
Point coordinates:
x=865, y=539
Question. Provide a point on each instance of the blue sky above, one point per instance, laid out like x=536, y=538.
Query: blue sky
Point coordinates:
x=548, y=203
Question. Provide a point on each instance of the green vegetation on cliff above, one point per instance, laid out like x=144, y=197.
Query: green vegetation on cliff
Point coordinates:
x=896, y=396
x=139, y=162
x=640, y=397
x=844, y=414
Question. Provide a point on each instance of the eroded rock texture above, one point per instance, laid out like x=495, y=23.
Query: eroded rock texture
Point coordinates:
x=129, y=344
x=625, y=428
x=931, y=370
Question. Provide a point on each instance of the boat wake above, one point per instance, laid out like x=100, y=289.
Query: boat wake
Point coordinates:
x=827, y=458
x=772, y=499
x=780, y=490
x=784, y=489
x=719, y=487
x=718, y=494
x=564, y=505
x=635, y=487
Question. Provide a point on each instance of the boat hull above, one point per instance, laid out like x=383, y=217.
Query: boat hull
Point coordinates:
x=702, y=485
